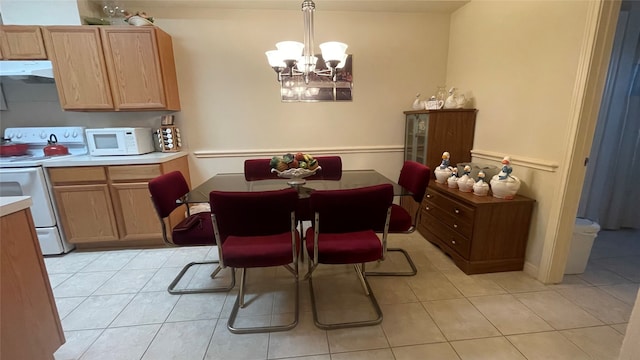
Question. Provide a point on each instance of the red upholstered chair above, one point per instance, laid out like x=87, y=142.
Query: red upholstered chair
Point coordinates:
x=344, y=232
x=194, y=230
x=256, y=229
x=331, y=168
x=415, y=178
x=258, y=169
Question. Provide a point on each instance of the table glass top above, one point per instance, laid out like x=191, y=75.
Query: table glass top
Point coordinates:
x=350, y=179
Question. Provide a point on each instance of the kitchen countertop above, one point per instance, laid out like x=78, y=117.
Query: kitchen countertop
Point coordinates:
x=88, y=160
x=11, y=204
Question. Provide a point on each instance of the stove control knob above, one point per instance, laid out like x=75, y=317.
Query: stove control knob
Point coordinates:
x=19, y=135
x=10, y=135
x=67, y=134
x=74, y=134
x=43, y=135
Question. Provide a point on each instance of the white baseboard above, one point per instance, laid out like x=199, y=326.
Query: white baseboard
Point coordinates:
x=530, y=269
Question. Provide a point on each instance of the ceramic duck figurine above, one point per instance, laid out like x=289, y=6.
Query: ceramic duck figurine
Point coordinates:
x=443, y=172
x=452, y=181
x=451, y=103
x=465, y=183
x=504, y=185
x=481, y=188
x=417, y=104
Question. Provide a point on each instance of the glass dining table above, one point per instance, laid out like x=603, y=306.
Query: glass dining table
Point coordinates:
x=350, y=179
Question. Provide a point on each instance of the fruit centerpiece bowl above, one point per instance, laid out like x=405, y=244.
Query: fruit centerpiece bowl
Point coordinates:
x=295, y=167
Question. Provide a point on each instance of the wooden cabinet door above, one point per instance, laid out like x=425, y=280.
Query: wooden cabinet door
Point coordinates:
x=19, y=42
x=30, y=324
x=135, y=213
x=134, y=67
x=86, y=212
x=79, y=67
x=451, y=131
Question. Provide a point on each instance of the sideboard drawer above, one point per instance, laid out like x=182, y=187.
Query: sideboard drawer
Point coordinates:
x=451, y=238
x=450, y=206
x=456, y=223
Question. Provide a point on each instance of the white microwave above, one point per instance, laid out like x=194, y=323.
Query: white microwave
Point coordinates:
x=119, y=141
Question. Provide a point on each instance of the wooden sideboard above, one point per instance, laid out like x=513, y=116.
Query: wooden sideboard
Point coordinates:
x=480, y=233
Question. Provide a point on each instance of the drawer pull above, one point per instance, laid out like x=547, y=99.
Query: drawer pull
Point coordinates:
x=455, y=226
x=427, y=208
x=428, y=196
x=453, y=242
x=456, y=211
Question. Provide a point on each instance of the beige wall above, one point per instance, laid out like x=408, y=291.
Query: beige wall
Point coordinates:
x=519, y=61
x=230, y=97
x=521, y=74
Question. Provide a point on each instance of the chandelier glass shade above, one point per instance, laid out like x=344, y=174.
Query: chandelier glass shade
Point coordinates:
x=293, y=58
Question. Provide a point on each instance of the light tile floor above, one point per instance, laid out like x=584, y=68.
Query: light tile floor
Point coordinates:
x=114, y=305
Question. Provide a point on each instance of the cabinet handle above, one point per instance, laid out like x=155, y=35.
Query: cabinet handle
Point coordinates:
x=456, y=211
x=455, y=226
x=427, y=208
x=428, y=196
x=453, y=242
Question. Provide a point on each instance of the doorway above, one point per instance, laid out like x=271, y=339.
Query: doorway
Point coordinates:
x=610, y=195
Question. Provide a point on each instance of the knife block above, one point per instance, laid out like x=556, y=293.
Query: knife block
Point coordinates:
x=168, y=139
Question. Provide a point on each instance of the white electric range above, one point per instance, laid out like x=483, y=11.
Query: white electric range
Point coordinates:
x=25, y=176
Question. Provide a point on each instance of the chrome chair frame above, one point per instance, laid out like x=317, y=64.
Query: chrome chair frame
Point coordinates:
x=171, y=288
x=412, y=228
x=360, y=271
x=240, y=303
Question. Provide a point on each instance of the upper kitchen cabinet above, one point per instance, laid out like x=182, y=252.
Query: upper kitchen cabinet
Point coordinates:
x=113, y=68
x=19, y=42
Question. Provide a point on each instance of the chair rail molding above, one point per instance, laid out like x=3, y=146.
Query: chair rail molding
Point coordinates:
x=314, y=151
x=538, y=164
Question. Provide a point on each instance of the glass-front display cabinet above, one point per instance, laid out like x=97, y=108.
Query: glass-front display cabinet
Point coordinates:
x=428, y=133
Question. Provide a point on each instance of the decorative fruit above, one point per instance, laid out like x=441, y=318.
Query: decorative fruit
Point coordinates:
x=282, y=166
x=274, y=162
x=288, y=158
x=291, y=161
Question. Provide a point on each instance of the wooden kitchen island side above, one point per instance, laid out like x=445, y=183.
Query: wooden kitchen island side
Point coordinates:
x=29, y=322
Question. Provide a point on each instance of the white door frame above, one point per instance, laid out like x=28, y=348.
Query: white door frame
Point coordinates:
x=600, y=30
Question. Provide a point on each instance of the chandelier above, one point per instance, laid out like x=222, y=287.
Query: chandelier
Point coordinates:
x=294, y=59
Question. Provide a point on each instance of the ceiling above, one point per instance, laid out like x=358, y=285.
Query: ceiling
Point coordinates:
x=441, y=6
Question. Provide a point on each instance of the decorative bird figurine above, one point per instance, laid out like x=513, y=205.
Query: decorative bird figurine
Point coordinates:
x=445, y=160
x=452, y=181
x=417, y=104
x=465, y=183
x=444, y=171
x=481, y=188
x=506, y=168
x=504, y=185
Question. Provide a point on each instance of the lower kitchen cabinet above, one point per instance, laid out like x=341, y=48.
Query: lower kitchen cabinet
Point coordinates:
x=110, y=206
x=87, y=210
x=481, y=234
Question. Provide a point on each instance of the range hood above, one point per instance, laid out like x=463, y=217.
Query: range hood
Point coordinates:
x=40, y=68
